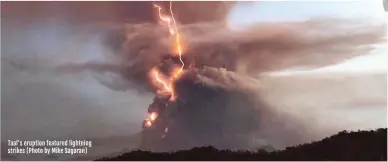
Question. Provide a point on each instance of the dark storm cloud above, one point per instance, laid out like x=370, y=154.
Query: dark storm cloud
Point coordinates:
x=262, y=48
x=139, y=45
x=92, y=12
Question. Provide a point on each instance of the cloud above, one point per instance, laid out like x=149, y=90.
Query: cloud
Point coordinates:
x=119, y=12
x=262, y=48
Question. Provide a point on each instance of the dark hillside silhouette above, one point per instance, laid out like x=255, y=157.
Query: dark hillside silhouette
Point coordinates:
x=361, y=145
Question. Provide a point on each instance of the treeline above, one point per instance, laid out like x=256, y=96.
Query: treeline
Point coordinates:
x=361, y=145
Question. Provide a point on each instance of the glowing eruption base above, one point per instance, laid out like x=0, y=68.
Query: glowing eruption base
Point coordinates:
x=202, y=115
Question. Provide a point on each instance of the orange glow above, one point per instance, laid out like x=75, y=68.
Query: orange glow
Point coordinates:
x=176, y=73
x=163, y=83
x=148, y=123
x=177, y=40
x=166, y=84
x=153, y=116
x=165, y=87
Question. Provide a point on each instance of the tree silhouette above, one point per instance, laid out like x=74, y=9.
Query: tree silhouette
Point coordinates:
x=360, y=145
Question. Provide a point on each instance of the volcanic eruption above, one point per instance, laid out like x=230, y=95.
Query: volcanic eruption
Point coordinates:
x=196, y=105
x=163, y=77
x=205, y=75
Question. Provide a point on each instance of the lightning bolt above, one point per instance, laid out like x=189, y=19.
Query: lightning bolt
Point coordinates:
x=165, y=19
x=173, y=29
x=174, y=32
x=165, y=132
x=178, y=43
x=166, y=86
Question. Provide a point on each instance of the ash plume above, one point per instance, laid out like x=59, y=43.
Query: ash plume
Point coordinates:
x=220, y=108
x=225, y=104
x=223, y=107
x=262, y=48
x=111, y=12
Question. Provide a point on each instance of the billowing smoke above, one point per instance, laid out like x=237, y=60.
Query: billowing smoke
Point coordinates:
x=219, y=98
x=262, y=48
x=110, y=12
x=223, y=109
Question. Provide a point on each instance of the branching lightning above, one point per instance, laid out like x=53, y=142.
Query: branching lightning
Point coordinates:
x=178, y=43
x=173, y=29
x=166, y=85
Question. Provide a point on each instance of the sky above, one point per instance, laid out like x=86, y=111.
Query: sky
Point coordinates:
x=245, y=14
